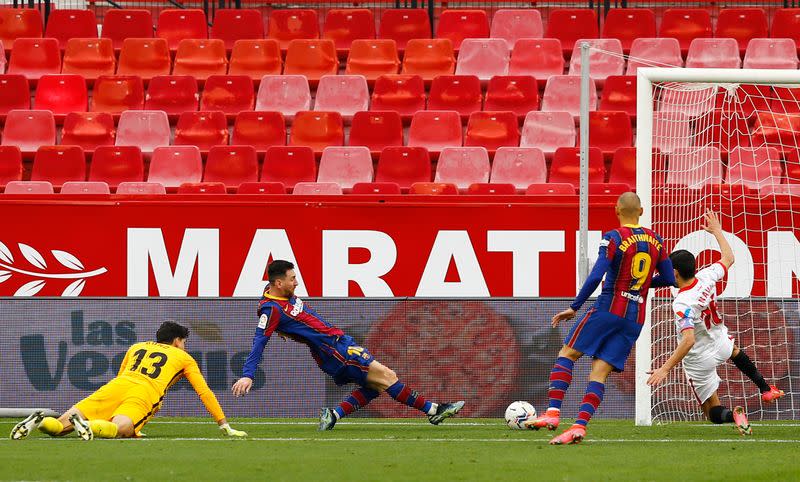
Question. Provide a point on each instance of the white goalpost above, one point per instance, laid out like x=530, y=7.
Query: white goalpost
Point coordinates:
x=729, y=140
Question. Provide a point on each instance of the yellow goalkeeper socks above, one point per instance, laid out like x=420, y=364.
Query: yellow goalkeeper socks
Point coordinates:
x=103, y=428
x=51, y=426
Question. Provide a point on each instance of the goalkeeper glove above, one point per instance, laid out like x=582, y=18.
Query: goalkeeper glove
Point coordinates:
x=231, y=432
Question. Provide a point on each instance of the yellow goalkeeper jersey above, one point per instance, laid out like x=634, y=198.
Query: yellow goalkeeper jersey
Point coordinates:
x=158, y=367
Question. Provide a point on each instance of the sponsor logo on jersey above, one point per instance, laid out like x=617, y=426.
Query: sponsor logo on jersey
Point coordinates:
x=632, y=297
x=297, y=308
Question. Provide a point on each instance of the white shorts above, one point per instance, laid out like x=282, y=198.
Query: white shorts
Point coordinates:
x=702, y=373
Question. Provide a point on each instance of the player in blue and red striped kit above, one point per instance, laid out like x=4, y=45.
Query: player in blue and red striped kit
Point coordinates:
x=628, y=257
x=337, y=354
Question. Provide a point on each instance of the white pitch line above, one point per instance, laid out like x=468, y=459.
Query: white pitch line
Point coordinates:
x=459, y=440
x=452, y=424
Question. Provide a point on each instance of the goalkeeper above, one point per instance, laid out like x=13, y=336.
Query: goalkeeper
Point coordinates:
x=121, y=407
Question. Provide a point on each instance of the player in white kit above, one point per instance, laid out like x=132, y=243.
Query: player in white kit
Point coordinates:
x=704, y=342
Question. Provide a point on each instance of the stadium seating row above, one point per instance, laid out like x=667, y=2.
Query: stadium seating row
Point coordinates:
x=345, y=25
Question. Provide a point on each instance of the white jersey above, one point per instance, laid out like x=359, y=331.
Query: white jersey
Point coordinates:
x=695, y=307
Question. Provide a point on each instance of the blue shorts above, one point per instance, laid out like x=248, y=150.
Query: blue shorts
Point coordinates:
x=347, y=362
x=603, y=335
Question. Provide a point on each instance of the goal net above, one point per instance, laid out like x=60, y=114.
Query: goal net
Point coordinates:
x=729, y=140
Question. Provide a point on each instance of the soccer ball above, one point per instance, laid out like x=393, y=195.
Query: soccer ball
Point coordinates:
x=518, y=412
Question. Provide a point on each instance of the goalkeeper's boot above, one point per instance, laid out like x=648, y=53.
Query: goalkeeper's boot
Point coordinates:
x=550, y=419
x=773, y=394
x=445, y=410
x=326, y=419
x=740, y=420
x=23, y=429
x=81, y=426
x=573, y=435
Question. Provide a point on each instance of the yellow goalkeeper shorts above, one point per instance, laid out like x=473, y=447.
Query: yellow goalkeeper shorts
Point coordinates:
x=120, y=397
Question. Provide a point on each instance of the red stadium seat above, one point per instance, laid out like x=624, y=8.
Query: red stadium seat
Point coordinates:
x=694, y=102
x=61, y=94
x=404, y=94
x=202, y=188
x=287, y=94
x=435, y=130
x=727, y=130
x=259, y=129
x=256, y=58
x=483, y=188
x=372, y=58
x=261, y=188
x=571, y=24
x=85, y=187
x=548, y=189
x=174, y=165
x=771, y=53
x=29, y=187
x=201, y=58
x=461, y=93
x=754, y=167
x=786, y=24
x=317, y=188
x=312, y=58
x=777, y=129
x=404, y=166
x=512, y=25
x=144, y=188
x=656, y=51
x=519, y=166
x=29, y=129
x=619, y=94
x=433, y=188
x=623, y=166
x=715, y=53
x=463, y=166
x=609, y=131
x=231, y=25
x=2, y=59
x=89, y=58
x=10, y=164
x=402, y=25
x=292, y=24
x=671, y=130
x=59, y=164
x=376, y=188
x=566, y=166
x=429, y=58
x=775, y=189
x=539, y=58
x=458, y=25
x=786, y=99
x=202, y=129
x=345, y=166
x=147, y=129
x=628, y=24
x=174, y=94
x=121, y=24
x=601, y=64
x=15, y=93
x=608, y=189
x=685, y=24
x=344, y=25
x=117, y=164
x=345, y=94
x=19, y=23
x=88, y=130
x=289, y=165
x=742, y=24
x=230, y=94
x=317, y=130
x=515, y=93
x=563, y=94
x=231, y=165
x=492, y=130
x=376, y=130
x=34, y=57
x=63, y=25
x=145, y=58
x=483, y=58
x=548, y=131
x=175, y=25
x=694, y=167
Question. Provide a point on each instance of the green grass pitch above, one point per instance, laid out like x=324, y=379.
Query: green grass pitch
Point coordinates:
x=380, y=450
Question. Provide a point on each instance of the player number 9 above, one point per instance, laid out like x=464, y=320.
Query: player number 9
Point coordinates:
x=639, y=269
